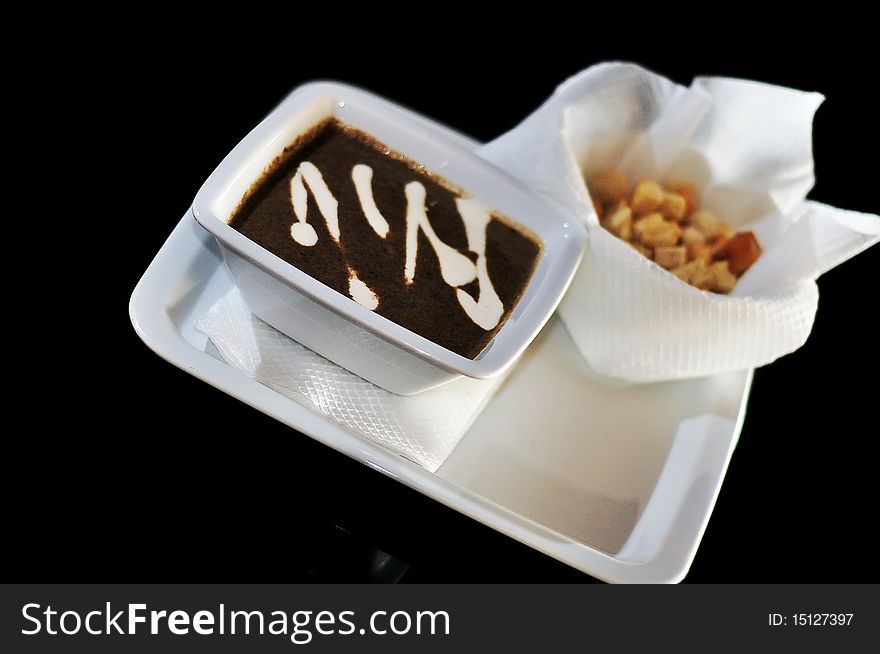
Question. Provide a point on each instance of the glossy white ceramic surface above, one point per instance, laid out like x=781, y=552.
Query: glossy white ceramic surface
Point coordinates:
x=617, y=481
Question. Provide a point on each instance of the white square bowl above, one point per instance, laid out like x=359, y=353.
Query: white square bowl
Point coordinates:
x=334, y=325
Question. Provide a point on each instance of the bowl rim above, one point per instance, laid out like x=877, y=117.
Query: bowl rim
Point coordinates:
x=513, y=337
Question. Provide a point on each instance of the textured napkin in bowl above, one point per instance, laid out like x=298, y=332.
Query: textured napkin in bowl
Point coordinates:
x=747, y=147
x=423, y=428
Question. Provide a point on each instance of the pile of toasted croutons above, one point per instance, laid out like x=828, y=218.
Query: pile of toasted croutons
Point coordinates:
x=667, y=226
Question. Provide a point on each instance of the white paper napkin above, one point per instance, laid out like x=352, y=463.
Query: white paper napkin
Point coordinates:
x=423, y=428
x=747, y=147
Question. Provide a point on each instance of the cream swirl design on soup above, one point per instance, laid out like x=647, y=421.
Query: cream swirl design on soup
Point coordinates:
x=362, y=175
x=456, y=268
x=376, y=226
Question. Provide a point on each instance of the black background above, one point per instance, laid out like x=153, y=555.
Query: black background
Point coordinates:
x=133, y=470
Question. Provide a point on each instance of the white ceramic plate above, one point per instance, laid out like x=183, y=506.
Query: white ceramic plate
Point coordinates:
x=617, y=481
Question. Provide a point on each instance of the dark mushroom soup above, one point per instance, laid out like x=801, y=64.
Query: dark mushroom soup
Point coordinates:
x=392, y=236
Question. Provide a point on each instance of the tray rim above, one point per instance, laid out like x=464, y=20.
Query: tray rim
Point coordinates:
x=149, y=317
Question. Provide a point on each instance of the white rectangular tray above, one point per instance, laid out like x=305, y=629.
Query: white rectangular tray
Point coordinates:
x=617, y=481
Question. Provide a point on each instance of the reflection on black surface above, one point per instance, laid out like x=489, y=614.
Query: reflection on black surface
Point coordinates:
x=332, y=554
x=225, y=493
